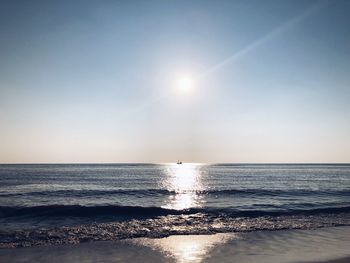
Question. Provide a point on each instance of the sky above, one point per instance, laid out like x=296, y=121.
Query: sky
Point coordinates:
x=98, y=81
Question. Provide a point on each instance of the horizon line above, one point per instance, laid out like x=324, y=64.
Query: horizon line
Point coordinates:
x=163, y=163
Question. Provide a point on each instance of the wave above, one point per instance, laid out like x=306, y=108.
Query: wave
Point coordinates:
x=86, y=211
x=139, y=211
x=164, y=226
x=161, y=192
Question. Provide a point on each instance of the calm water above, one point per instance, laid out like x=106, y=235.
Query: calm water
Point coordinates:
x=155, y=200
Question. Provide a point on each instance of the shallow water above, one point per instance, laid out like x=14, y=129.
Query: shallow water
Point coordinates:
x=261, y=246
x=286, y=246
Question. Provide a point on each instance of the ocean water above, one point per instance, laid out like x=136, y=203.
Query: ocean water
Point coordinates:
x=72, y=203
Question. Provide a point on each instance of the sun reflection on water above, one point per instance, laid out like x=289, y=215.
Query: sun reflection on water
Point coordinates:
x=185, y=181
x=192, y=248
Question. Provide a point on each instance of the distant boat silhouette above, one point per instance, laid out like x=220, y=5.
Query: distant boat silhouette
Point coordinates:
x=179, y=162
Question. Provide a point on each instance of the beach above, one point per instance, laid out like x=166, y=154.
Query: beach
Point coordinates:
x=175, y=131
x=284, y=246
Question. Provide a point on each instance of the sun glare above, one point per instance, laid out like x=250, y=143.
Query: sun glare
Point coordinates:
x=185, y=84
x=185, y=181
x=193, y=248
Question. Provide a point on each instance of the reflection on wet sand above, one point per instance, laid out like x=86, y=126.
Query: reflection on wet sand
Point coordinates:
x=191, y=248
x=184, y=180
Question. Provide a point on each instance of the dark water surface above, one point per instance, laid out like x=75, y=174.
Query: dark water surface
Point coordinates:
x=70, y=203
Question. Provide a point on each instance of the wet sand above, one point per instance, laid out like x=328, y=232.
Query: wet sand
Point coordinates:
x=290, y=246
x=340, y=260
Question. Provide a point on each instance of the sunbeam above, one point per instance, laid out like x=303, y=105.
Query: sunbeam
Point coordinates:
x=185, y=84
x=266, y=38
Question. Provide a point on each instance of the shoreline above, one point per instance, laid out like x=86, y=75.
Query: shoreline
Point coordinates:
x=326, y=245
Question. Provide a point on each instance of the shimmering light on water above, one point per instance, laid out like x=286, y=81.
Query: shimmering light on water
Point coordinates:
x=128, y=200
x=185, y=181
x=187, y=248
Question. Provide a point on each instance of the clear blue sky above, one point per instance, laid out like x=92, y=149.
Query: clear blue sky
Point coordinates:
x=95, y=81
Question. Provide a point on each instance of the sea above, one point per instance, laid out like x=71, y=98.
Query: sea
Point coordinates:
x=50, y=204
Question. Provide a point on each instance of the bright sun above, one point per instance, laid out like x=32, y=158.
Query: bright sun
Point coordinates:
x=185, y=84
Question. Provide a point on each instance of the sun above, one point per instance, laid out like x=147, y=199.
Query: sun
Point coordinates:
x=185, y=84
